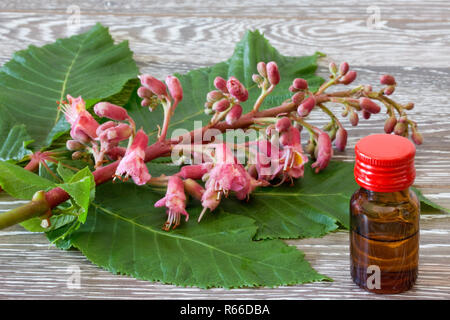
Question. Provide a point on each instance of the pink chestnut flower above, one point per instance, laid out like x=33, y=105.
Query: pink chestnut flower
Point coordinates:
x=306, y=106
x=83, y=124
x=234, y=114
x=221, y=84
x=349, y=77
x=226, y=175
x=195, y=171
x=273, y=74
x=368, y=105
x=84, y=128
x=343, y=68
x=265, y=160
x=175, y=202
x=262, y=69
x=300, y=84
x=221, y=105
x=388, y=80
x=341, y=139
x=132, y=164
x=323, y=151
x=293, y=159
x=175, y=89
x=111, y=136
x=110, y=111
x=154, y=85
x=283, y=124
x=237, y=89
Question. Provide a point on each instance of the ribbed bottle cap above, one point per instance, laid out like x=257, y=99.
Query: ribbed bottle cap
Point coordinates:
x=385, y=163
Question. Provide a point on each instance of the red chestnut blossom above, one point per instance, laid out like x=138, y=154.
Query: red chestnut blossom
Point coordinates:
x=349, y=77
x=343, y=68
x=300, y=84
x=110, y=111
x=234, y=114
x=175, y=89
x=293, y=159
x=324, y=151
x=221, y=84
x=306, y=106
x=154, y=85
x=84, y=126
x=341, y=139
x=132, y=163
x=195, y=171
x=387, y=79
x=237, y=89
x=273, y=74
x=227, y=175
x=175, y=201
x=368, y=105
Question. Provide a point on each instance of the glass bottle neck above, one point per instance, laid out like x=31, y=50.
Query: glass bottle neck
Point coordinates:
x=397, y=196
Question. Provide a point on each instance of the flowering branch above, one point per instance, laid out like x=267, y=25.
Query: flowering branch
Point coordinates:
x=273, y=159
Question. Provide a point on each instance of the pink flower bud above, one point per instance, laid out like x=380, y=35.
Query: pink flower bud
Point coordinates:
x=221, y=84
x=367, y=88
x=341, y=139
x=74, y=145
x=387, y=79
x=113, y=135
x=409, y=106
x=307, y=105
x=366, y=114
x=77, y=155
x=368, y=105
x=195, y=171
x=154, y=85
x=389, y=90
x=110, y=111
x=104, y=126
x=175, y=88
x=283, y=124
x=343, y=68
x=323, y=150
x=257, y=79
x=237, y=89
x=234, y=114
x=332, y=67
x=144, y=92
x=389, y=124
x=221, y=105
x=262, y=69
x=298, y=98
x=400, y=128
x=354, y=119
x=146, y=103
x=349, y=77
x=300, y=84
x=417, y=137
x=214, y=96
x=273, y=74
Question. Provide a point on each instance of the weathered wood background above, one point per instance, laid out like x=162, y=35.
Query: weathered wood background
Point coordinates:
x=409, y=39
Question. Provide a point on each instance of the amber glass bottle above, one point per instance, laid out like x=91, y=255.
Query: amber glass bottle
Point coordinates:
x=384, y=215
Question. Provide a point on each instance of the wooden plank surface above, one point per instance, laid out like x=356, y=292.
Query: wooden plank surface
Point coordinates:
x=411, y=41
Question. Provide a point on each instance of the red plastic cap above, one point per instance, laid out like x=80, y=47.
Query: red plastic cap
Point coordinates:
x=385, y=163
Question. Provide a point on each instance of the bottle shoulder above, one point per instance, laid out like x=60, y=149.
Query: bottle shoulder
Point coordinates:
x=384, y=205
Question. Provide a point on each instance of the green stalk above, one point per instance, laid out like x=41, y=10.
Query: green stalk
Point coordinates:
x=34, y=208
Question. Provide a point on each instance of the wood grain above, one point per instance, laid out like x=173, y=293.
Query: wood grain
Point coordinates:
x=412, y=43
